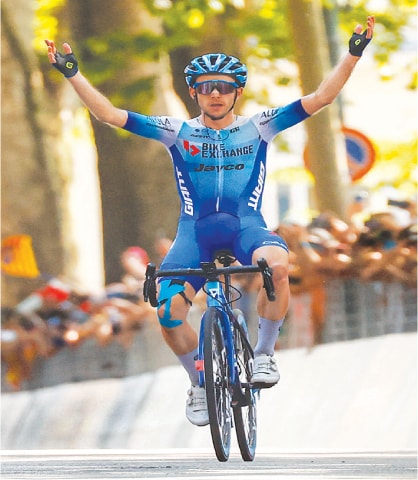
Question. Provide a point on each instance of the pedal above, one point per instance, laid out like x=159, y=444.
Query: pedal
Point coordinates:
x=262, y=385
x=238, y=397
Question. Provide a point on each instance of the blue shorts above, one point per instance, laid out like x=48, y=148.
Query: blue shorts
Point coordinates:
x=198, y=241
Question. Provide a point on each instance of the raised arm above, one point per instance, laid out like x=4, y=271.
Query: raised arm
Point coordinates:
x=333, y=84
x=96, y=102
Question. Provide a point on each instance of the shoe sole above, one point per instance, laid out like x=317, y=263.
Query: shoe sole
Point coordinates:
x=198, y=424
x=261, y=385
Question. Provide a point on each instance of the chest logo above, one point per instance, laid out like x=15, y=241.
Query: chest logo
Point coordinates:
x=192, y=149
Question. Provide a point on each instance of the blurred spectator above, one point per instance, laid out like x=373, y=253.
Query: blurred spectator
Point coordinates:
x=123, y=311
x=134, y=261
x=161, y=247
x=24, y=338
x=356, y=211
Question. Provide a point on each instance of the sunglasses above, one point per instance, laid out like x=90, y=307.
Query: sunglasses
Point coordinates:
x=207, y=87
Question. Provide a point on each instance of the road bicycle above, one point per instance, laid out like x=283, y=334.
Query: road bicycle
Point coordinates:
x=225, y=361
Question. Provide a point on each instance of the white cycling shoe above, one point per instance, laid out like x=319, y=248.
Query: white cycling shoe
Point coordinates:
x=265, y=371
x=196, y=406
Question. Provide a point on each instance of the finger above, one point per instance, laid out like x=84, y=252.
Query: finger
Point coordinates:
x=370, y=27
x=51, y=57
x=51, y=46
x=67, y=48
x=51, y=51
x=358, y=29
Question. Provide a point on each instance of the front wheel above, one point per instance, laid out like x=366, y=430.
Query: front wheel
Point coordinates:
x=217, y=383
x=245, y=416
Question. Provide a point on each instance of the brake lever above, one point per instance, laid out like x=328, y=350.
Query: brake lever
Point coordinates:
x=268, y=284
x=150, y=288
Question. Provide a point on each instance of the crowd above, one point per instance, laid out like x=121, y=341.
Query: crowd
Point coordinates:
x=382, y=249
x=57, y=316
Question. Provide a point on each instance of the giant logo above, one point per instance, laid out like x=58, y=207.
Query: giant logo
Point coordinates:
x=255, y=196
x=188, y=202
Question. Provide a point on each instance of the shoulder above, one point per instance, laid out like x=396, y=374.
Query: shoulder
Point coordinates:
x=154, y=126
x=274, y=120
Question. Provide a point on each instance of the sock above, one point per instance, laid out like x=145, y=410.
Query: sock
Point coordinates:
x=268, y=331
x=188, y=362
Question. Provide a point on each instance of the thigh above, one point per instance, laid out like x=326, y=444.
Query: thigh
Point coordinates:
x=185, y=252
x=253, y=241
x=273, y=254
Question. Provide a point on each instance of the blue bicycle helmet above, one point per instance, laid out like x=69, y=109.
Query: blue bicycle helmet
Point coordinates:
x=213, y=63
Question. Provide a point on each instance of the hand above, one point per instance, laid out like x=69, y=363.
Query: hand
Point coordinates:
x=359, y=41
x=65, y=63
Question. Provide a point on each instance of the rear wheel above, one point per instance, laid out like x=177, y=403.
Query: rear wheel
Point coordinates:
x=217, y=384
x=245, y=416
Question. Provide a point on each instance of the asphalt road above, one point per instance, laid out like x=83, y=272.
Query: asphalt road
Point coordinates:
x=197, y=464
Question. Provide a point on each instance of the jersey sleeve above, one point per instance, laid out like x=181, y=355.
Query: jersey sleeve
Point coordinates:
x=160, y=128
x=275, y=120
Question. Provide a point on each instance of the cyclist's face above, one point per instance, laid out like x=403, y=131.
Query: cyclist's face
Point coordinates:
x=216, y=105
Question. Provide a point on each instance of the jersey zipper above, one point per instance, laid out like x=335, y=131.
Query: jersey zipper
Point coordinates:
x=220, y=175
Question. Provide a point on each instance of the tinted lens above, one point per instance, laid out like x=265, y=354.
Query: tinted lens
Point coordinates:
x=206, y=88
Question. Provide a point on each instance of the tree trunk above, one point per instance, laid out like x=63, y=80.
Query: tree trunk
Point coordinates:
x=327, y=158
x=138, y=193
x=30, y=191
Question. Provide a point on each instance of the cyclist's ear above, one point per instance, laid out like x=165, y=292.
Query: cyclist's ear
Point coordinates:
x=192, y=93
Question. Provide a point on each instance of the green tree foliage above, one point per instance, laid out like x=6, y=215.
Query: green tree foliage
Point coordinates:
x=396, y=166
x=257, y=30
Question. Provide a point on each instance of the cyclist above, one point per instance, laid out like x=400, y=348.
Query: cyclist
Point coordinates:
x=219, y=161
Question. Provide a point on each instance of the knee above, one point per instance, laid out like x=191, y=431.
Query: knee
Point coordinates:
x=173, y=304
x=166, y=319
x=280, y=273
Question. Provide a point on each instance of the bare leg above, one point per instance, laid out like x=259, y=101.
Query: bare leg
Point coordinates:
x=271, y=315
x=277, y=259
x=181, y=339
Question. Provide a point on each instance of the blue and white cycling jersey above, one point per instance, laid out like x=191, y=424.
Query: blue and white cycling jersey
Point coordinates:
x=220, y=179
x=218, y=171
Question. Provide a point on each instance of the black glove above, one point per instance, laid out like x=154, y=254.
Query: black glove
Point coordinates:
x=66, y=64
x=358, y=42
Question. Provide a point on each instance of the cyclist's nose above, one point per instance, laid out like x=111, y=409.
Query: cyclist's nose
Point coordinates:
x=215, y=92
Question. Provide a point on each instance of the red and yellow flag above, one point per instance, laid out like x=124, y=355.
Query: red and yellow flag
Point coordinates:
x=17, y=257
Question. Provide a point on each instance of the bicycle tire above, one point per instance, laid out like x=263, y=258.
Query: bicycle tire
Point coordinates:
x=245, y=416
x=218, y=394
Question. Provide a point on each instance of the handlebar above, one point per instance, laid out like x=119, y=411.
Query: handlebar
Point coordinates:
x=209, y=271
